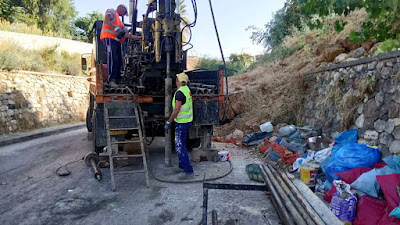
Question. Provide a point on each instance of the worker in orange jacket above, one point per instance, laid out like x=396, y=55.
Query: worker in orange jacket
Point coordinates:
x=113, y=33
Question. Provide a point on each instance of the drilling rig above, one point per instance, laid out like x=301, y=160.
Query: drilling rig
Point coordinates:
x=141, y=104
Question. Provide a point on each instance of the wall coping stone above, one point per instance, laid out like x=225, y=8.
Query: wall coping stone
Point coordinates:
x=45, y=74
x=380, y=57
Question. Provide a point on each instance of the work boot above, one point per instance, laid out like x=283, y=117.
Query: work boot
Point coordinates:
x=113, y=84
x=177, y=169
x=186, y=176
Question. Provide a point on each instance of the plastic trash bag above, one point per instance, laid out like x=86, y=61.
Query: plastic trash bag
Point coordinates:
x=286, y=131
x=322, y=155
x=369, y=211
x=255, y=138
x=346, y=137
x=368, y=182
x=351, y=156
x=343, y=203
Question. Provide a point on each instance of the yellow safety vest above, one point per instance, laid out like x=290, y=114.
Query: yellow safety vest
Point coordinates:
x=185, y=115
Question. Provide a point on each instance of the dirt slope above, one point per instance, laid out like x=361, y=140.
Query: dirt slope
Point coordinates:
x=274, y=91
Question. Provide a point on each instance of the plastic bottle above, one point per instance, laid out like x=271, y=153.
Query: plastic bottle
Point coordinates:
x=267, y=127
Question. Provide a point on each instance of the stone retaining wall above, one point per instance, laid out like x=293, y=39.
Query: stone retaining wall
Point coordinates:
x=362, y=94
x=30, y=100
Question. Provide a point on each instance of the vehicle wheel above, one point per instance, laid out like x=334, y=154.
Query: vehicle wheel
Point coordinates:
x=89, y=114
x=89, y=124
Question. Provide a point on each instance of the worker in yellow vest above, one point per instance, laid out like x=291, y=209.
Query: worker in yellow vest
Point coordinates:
x=182, y=114
x=112, y=34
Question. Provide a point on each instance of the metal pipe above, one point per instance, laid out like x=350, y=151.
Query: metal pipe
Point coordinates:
x=205, y=205
x=294, y=200
x=118, y=91
x=288, y=203
x=168, y=111
x=125, y=91
x=112, y=90
x=314, y=215
x=276, y=200
x=97, y=172
x=214, y=217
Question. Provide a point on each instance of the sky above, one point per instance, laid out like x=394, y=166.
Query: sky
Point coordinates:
x=232, y=17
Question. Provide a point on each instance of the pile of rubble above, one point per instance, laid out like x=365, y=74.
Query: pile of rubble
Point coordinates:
x=360, y=186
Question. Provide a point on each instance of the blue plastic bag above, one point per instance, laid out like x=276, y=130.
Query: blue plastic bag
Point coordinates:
x=368, y=183
x=351, y=156
x=346, y=137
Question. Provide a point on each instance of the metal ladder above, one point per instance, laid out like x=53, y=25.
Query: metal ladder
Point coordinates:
x=124, y=116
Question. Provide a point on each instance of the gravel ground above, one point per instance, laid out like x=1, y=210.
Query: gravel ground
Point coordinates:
x=32, y=192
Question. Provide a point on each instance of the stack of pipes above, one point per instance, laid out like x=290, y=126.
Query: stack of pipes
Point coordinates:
x=293, y=208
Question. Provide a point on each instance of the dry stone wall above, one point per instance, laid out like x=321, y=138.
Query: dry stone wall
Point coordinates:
x=362, y=94
x=30, y=100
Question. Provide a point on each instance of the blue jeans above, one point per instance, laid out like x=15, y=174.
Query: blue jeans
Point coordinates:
x=181, y=135
x=114, y=59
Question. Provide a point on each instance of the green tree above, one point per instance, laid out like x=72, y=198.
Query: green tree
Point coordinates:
x=282, y=24
x=244, y=59
x=47, y=15
x=85, y=24
x=382, y=24
x=184, y=15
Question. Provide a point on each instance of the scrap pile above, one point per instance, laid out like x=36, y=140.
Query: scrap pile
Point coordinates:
x=360, y=186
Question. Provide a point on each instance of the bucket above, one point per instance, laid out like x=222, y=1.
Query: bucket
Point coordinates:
x=223, y=156
x=308, y=172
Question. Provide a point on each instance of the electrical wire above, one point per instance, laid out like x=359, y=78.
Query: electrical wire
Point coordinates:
x=66, y=168
x=223, y=59
x=190, y=181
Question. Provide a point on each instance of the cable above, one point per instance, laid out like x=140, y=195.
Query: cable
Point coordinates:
x=223, y=59
x=190, y=181
x=66, y=168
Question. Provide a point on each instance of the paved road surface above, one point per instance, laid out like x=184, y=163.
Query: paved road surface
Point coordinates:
x=32, y=193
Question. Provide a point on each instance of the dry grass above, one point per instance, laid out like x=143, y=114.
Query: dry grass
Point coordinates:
x=275, y=91
x=13, y=57
x=26, y=29
x=349, y=104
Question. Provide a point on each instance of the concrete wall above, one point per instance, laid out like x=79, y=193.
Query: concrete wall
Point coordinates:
x=30, y=100
x=30, y=41
x=362, y=94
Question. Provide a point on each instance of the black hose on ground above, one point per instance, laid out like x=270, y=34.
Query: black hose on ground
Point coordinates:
x=190, y=181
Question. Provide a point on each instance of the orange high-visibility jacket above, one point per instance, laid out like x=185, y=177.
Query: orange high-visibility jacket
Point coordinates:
x=108, y=32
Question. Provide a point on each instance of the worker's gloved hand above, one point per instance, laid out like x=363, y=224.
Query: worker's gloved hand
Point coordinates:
x=121, y=33
x=167, y=127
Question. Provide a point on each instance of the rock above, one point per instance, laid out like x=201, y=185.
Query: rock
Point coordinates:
x=371, y=135
x=11, y=102
x=367, y=45
x=238, y=135
x=374, y=48
x=389, y=126
x=396, y=122
x=360, y=108
x=3, y=108
x=396, y=97
x=10, y=112
x=336, y=76
x=394, y=109
x=341, y=58
x=390, y=86
x=386, y=138
x=348, y=44
x=386, y=72
x=369, y=108
x=372, y=65
x=359, y=52
x=369, y=123
x=379, y=98
x=396, y=133
x=395, y=147
x=360, y=121
x=331, y=52
x=362, y=141
x=379, y=125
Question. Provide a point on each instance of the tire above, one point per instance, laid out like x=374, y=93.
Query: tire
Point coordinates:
x=89, y=124
x=89, y=114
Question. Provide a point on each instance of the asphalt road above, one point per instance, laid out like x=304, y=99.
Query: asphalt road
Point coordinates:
x=32, y=193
